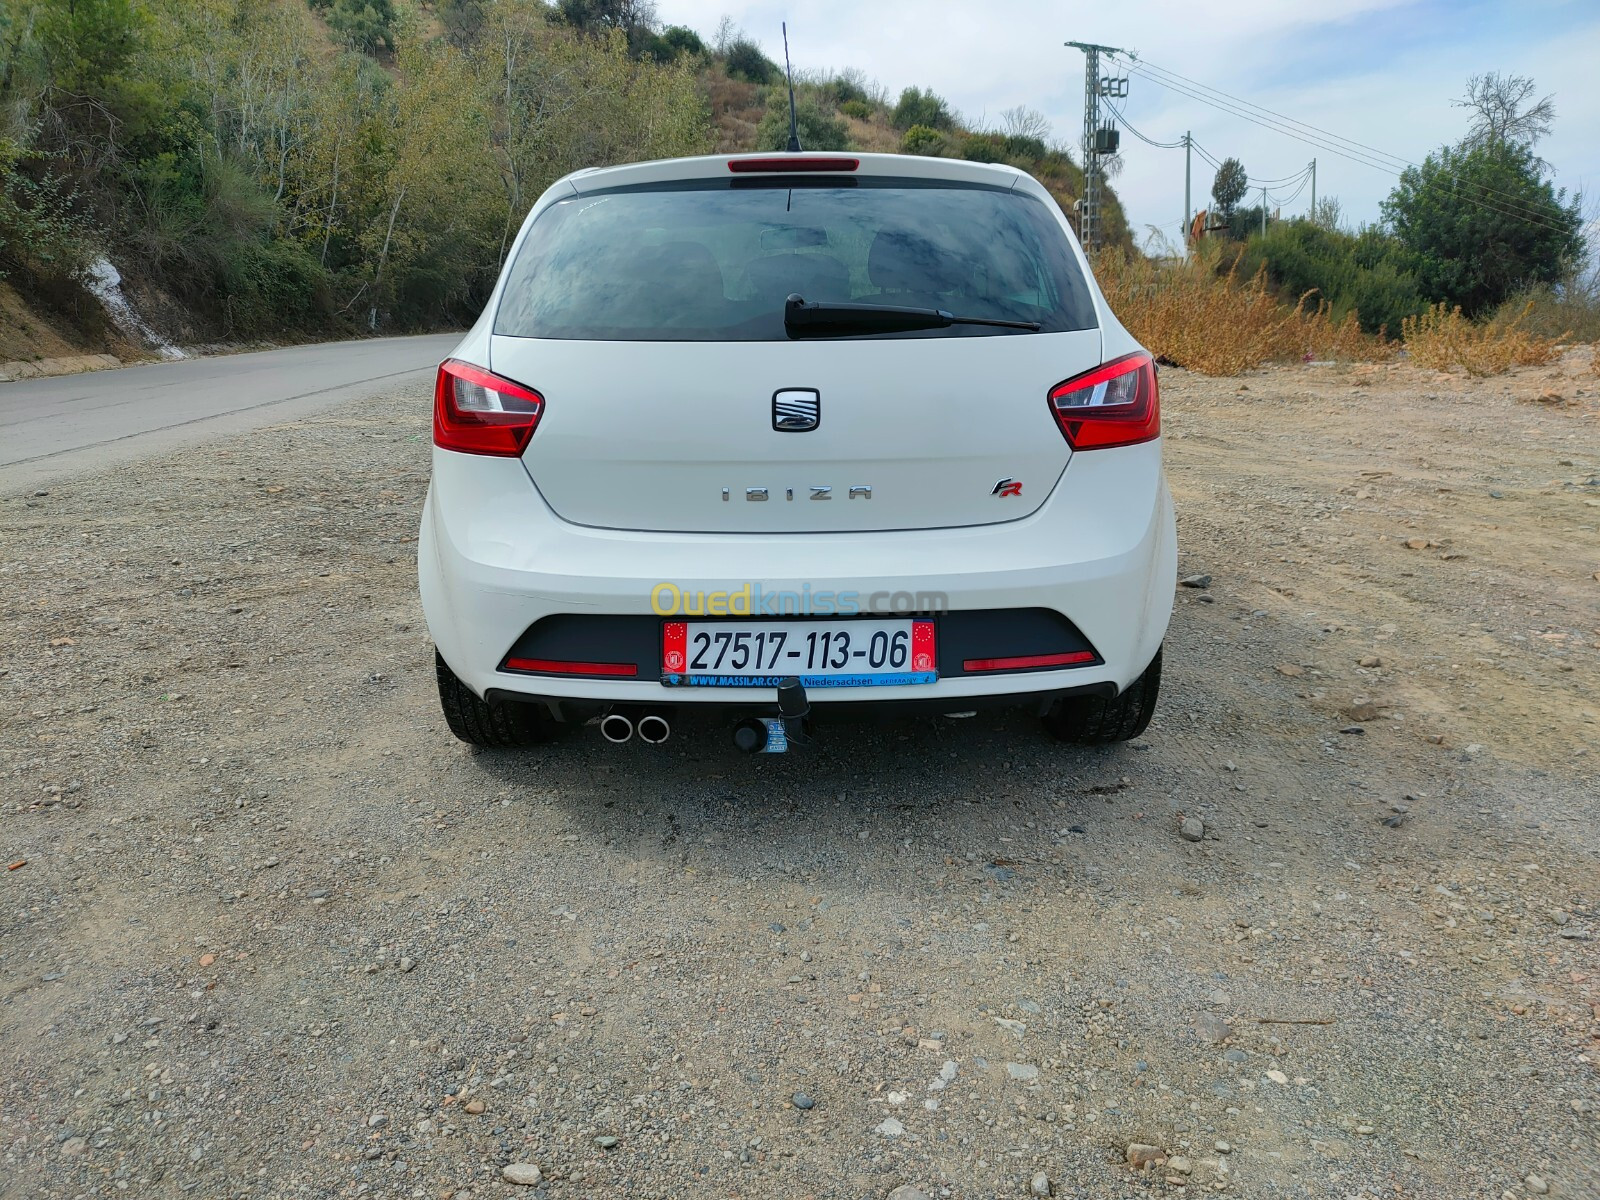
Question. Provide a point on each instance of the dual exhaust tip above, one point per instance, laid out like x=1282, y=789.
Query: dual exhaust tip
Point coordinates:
x=652, y=727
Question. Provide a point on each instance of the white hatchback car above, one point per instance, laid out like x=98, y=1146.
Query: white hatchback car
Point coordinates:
x=795, y=433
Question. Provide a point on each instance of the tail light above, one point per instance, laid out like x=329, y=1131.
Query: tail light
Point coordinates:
x=1116, y=404
x=480, y=413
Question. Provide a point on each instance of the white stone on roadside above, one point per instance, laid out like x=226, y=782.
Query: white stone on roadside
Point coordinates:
x=1022, y=1072
x=906, y=1192
x=1536, y=1184
x=1179, y=1165
x=1192, y=829
x=1278, y=1077
x=1040, y=1184
x=898, y=1098
x=522, y=1174
x=890, y=1127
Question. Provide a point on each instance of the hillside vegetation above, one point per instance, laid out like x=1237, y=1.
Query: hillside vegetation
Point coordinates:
x=270, y=168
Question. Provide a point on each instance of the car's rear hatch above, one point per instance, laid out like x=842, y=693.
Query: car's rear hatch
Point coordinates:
x=650, y=320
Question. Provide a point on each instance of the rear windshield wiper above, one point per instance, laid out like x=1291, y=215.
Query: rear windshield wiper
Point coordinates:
x=802, y=320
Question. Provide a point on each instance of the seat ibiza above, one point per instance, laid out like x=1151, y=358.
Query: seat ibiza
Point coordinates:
x=795, y=434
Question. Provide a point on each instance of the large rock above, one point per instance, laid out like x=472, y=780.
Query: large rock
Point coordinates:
x=1142, y=1155
x=522, y=1174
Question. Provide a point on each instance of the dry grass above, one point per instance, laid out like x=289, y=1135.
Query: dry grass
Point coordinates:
x=1188, y=314
x=736, y=109
x=1442, y=338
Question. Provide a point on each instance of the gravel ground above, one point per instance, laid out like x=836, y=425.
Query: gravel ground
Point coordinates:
x=274, y=933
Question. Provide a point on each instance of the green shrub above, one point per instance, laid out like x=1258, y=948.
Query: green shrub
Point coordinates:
x=917, y=107
x=983, y=147
x=273, y=285
x=847, y=89
x=1362, y=274
x=41, y=229
x=819, y=129
x=366, y=25
x=681, y=40
x=919, y=139
x=745, y=61
x=859, y=109
x=1023, y=146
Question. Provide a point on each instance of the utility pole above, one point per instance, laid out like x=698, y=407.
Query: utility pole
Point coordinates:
x=1263, y=208
x=1313, y=189
x=1187, y=211
x=1089, y=212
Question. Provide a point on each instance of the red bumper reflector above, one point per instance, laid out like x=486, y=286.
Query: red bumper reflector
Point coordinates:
x=1070, y=658
x=791, y=164
x=553, y=666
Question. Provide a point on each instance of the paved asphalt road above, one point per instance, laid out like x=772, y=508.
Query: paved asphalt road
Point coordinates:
x=53, y=427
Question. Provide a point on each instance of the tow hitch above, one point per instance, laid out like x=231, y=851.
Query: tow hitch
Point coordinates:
x=774, y=735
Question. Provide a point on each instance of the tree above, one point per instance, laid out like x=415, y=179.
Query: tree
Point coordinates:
x=1480, y=223
x=1328, y=214
x=1501, y=112
x=596, y=16
x=462, y=19
x=366, y=25
x=680, y=40
x=819, y=128
x=745, y=61
x=1024, y=122
x=917, y=107
x=1228, y=188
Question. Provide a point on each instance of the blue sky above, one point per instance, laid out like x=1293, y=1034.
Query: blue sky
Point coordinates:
x=1380, y=72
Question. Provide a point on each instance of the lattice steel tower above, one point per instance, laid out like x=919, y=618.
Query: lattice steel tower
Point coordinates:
x=1093, y=88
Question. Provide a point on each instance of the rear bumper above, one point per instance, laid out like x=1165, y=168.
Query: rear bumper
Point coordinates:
x=493, y=559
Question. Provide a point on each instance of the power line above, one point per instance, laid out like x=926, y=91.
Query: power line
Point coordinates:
x=1304, y=179
x=1370, y=150
x=1124, y=122
x=1236, y=112
x=1287, y=179
x=1495, y=200
x=1205, y=154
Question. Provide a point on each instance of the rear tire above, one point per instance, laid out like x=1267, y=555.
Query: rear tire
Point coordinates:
x=1096, y=721
x=495, y=725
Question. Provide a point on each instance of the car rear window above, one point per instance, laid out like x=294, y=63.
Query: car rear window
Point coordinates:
x=714, y=260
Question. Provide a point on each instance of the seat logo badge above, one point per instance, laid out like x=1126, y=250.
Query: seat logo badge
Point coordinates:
x=1007, y=487
x=796, y=410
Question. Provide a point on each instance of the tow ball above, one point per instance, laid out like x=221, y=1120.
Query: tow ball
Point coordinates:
x=774, y=735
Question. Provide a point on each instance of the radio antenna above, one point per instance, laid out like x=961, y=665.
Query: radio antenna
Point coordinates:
x=788, y=74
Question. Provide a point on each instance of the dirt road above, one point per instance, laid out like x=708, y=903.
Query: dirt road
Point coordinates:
x=273, y=933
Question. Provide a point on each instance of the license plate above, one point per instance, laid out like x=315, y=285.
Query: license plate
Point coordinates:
x=865, y=653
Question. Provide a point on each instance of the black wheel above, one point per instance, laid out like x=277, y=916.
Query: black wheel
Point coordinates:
x=499, y=725
x=1096, y=721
